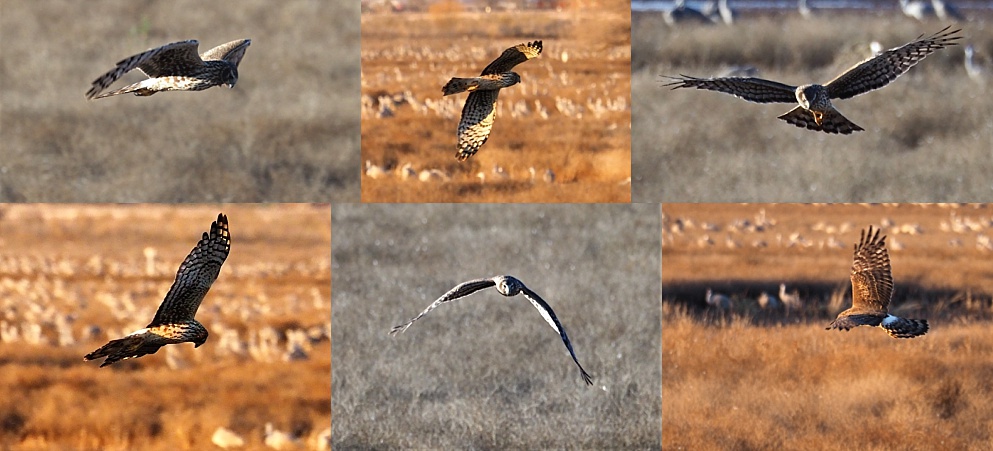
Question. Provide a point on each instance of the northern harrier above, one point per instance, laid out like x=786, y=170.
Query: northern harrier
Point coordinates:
x=174, y=323
x=872, y=287
x=507, y=286
x=478, y=112
x=176, y=67
x=815, y=111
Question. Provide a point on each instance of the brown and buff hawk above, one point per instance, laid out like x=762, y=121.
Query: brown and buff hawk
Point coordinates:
x=815, y=111
x=479, y=110
x=176, y=67
x=872, y=288
x=173, y=322
x=507, y=286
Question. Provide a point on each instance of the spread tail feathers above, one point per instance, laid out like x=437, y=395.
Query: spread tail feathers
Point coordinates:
x=831, y=122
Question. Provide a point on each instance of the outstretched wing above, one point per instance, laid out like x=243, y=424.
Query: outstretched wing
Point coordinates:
x=231, y=52
x=878, y=71
x=513, y=56
x=195, y=275
x=872, y=284
x=460, y=291
x=749, y=88
x=171, y=59
x=549, y=315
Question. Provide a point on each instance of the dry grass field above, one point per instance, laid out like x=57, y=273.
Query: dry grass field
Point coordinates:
x=485, y=372
x=928, y=134
x=72, y=277
x=571, y=113
x=289, y=130
x=754, y=378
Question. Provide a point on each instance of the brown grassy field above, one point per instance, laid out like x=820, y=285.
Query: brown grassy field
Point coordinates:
x=753, y=378
x=571, y=113
x=71, y=277
x=486, y=372
x=927, y=138
x=289, y=130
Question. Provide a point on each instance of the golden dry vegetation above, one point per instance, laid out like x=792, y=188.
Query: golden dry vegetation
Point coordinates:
x=570, y=114
x=748, y=377
x=289, y=130
x=485, y=372
x=928, y=134
x=73, y=277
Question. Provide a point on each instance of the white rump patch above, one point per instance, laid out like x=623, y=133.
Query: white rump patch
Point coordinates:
x=890, y=319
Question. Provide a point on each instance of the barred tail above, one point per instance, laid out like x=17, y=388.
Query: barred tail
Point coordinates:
x=904, y=328
x=831, y=122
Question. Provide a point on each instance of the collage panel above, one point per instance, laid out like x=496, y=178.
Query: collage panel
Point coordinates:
x=99, y=347
x=496, y=102
x=761, y=308
x=286, y=131
x=483, y=370
x=717, y=116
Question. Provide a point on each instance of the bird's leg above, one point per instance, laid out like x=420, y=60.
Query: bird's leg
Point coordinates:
x=818, y=117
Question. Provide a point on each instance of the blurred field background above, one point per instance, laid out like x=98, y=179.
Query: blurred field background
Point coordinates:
x=485, y=372
x=746, y=377
x=73, y=277
x=928, y=134
x=289, y=130
x=569, y=115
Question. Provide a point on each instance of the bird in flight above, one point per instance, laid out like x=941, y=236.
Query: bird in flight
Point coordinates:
x=507, y=286
x=173, y=322
x=872, y=288
x=176, y=67
x=815, y=111
x=479, y=110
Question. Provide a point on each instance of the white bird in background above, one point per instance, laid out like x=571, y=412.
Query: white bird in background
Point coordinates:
x=718, y=300
x=768, y=302
x=917, y=9
x=946, y=11
x=975, y=72
x=277, y=439
x=790, y=300
x=680, y=13
x=226, y=438
x=507, y=286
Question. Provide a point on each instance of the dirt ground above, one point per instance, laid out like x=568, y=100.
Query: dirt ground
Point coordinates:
x=485, y=372
x=570, y=115
x=74, y=276
x=748, y=377
x=287, y=132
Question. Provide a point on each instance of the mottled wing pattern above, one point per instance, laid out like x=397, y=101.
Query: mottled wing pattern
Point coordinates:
x=512, y=57
x=546, y=312
x=460, y=291
x=878, y=71
x=751, y=89
x=872, y=283
x=832, y=121
x=476, y=123
x=196, y=275
x=170, y=59
x=231, y=52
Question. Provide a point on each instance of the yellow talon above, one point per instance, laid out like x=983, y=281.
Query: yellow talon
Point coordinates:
x=818, y=117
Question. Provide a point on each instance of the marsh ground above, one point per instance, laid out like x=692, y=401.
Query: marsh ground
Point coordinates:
x=571, y=113
x=753, y=378
x=927, y=137
x=485, y=372
x=72, y=277
x=288, y=131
